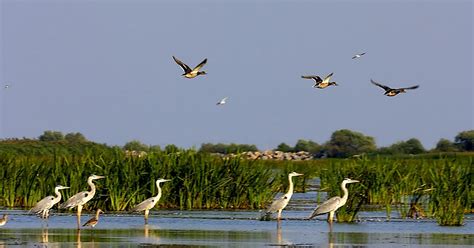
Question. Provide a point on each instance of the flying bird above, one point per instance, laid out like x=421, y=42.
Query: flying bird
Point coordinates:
x=81, y=198
x=319, y=83
x=330, y=206
x=393, y=92
x=188, y=72
x=222, y=101
x=150, y=202
x=42, y=207
x=358, y=56
x=279, y=204
x=94, y=220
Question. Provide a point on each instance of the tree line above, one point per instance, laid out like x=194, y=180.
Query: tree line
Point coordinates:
x=343, y=143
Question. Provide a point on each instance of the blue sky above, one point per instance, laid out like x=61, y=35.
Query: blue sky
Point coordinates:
x=104, y=68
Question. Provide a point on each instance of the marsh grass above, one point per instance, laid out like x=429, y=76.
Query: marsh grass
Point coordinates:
x=204, y=181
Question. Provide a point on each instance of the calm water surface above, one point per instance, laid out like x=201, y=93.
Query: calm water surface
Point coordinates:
x=231, y=229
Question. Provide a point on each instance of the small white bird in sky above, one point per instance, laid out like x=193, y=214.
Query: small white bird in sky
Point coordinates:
x=358, y=55
x=6, y=86
x=222, y=101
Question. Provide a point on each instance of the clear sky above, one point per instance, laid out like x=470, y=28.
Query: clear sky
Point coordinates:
x=104, y=68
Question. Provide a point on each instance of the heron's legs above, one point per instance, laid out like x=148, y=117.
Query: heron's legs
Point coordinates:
x=147, y=211
x=79, y=210
x=331, y=217
x=279, y=214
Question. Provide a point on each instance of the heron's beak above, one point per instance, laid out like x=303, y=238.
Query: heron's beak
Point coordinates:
x=354, y=181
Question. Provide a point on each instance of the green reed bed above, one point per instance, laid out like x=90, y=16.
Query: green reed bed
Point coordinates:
x=446, y=183
x=199, y=180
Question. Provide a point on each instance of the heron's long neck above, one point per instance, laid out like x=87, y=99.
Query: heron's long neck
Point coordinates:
x=157, y=197
x=58, y=194
x=346, y=192
x=97, y=215
x=92, y=192
x=290, y=188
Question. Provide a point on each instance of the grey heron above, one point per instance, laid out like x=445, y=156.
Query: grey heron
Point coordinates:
x=94, y=220
x=150, y=202
x=393, y=92
x=81, y=198
x=42, y=207
x=320, y=83
x=188, y=72
x=279, y=204
x=334, y=203
x=4, y=220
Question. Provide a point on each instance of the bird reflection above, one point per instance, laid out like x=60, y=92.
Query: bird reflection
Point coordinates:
x=45, y=236
x=78, y=241
x=279, y=240
x=146, y=230
x=330, y=239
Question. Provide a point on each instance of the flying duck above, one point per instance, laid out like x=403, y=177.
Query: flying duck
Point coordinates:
x=319, y=83
x=393, y=92
x=358, y=56
x=188, y=72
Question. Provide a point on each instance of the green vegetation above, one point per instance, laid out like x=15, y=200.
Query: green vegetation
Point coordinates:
x=199, y=180
x=439, y=184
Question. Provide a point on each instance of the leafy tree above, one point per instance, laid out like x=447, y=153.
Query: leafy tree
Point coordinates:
x=135, y=145
x=445, y=145
x=465, y=140
x=411, y=146
x=171, y=148
x=75, y=137
x=307, y=146
x=155, y=148
x=283, y=147
x=51, y=136
x=226, y=149
x=345, y=143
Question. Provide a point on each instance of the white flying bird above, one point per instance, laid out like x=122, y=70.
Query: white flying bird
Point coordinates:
x=222, y=101
x=358, y=56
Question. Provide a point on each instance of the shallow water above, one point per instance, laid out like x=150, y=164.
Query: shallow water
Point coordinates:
x=229, y=229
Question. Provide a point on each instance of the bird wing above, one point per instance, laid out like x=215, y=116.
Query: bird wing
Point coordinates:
x=185, y=67
x=328, y=77
x=90, y=222
x=330, y=205
x=146, y=204
x=198, y=67
x=45, y=203
x=380, y=85
x=410, y=88
x=278, y=204
x=314, y=77
x=77, y=199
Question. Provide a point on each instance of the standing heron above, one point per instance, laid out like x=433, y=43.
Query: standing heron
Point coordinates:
x=330, y=206
x=42, y=207
x=81, y=198
x=4, y=220
x=280, y=203
x=150, y=202
x=94, y=220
